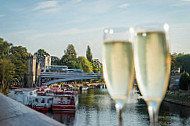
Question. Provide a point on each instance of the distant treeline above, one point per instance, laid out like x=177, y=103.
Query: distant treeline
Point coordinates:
x=182, y=61
x=71, y=60
x=13, y=63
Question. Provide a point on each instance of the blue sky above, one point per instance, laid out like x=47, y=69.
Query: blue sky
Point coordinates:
x=53, y=24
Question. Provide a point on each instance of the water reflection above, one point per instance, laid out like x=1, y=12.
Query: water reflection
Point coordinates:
x=96, y=108
x=65, y=117
x=174, y=114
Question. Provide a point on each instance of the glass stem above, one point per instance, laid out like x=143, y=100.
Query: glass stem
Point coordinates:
x=120, y=116
x=153, y=109
x=119, y=108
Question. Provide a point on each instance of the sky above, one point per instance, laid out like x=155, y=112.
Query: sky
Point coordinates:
x=53, y=24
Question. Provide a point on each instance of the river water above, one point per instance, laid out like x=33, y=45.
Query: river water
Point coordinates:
x=96, y=108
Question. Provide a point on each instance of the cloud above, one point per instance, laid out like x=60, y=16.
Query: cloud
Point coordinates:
x=1, y=15
x=78, y=20
x=186, y=0
x=45, y=5
x=51, y=10
x=67, y=32
x=182, y=3
x=35, y=35
x=124, y=5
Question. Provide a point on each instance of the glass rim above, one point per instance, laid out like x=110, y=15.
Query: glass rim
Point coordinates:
x=118, y=34
x=149, y=27
x=112, y=30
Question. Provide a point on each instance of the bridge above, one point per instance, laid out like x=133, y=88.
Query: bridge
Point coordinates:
x=55, y=77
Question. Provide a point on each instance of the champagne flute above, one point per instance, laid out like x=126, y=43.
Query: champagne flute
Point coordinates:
x=118, y=65
x=152, y=65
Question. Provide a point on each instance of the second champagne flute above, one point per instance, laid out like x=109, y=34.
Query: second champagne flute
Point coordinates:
x=152, y=65
x=118, y=65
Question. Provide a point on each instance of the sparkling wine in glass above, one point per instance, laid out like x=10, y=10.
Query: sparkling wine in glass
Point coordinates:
x=152, y=65
x=118, y=65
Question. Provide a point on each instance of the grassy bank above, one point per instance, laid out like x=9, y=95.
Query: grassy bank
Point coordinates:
x=178, y=97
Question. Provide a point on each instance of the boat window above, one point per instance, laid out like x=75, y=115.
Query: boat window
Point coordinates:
x=19, y=92
x=43, y=100
x=61, y=99
x=36, y=100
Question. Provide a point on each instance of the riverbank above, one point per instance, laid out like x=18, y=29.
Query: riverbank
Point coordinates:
x=178, y=97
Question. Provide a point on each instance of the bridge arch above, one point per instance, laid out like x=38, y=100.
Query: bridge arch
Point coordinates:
x=59, y=77
x=70, y=79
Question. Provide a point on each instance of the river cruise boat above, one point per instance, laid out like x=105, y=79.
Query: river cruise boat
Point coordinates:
x=46, y=98
x=23, y=95
x=65, y=100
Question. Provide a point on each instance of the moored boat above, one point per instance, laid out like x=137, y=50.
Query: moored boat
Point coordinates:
x=46, y=98
x=23, y=95
x=65, y=100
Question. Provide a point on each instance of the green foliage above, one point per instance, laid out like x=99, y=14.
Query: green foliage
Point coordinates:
x=70, y=52
x=41, y=53
x=69, y=59
x=85, y=64
x=184, y=81
x=89, y=54
x=55, y=60
x=70, y=55
x=74, y=65
x=19, y=59
x=173, y=62
x=7, y=71
x=95, y=68
x=4, y=48
x=65, y=59
x=13, y=64
x=101, y=70
x=183, y=61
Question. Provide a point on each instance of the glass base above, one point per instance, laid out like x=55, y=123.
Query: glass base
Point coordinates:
x=153, y=110
x=119, y=108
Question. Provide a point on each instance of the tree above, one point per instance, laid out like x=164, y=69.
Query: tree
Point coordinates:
x=184, y=81
x=89, y=54
x=7, y=70
x=41, y=52
x=95, y=68
x=55, y=60
x=69, y=55
x=13, y=63
x=70, y=52
x=74, y=65
x=4, y=48
x=18, y=56
x=84, y=64
x=173, y=62
x=101, y=70
x=183, y=61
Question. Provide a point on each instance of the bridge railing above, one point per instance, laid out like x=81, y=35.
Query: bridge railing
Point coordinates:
x=53, y=74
